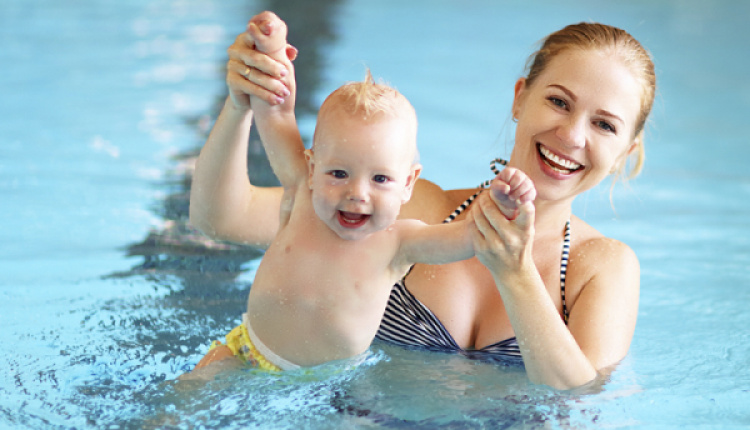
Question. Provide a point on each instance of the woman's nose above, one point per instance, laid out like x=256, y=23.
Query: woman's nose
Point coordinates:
x=573, y=131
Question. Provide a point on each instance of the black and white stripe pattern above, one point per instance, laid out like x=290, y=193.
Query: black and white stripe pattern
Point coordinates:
x=482, y=186
x=409, y=323
x=564, y=269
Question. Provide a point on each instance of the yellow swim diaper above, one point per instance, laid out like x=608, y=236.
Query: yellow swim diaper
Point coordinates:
x=238, y=340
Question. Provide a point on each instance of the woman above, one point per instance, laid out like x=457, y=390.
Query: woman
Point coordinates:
x=545, y=285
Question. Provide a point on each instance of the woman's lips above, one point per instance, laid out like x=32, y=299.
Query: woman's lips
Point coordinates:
x=557, y=163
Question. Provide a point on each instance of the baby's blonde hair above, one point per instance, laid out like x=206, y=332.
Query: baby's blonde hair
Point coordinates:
x=367, y=98
x=371, y=101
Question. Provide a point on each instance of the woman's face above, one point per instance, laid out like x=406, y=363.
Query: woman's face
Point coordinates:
x=576, y=122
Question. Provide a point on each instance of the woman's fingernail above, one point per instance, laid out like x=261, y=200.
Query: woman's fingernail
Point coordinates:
x=278, y=100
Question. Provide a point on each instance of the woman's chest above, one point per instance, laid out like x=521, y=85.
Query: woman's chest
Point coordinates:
x=463, y=296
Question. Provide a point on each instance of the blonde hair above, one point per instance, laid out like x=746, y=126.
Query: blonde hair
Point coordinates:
x=367, y=98
x=594, y=36
x=371, y=100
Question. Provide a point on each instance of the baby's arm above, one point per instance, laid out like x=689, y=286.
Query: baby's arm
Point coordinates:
x=434, y=244
x=446, y=243
x=510, y=190
x=277, y=124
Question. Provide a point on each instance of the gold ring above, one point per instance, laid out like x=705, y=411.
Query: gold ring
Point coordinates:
x=246, y=73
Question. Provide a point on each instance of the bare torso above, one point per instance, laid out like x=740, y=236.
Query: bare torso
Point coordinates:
x=317, y=297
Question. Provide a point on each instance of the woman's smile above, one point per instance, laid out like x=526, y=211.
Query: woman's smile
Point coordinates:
x=557, y=163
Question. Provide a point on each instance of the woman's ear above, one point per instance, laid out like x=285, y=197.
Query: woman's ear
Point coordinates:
x=633, y=145
x=620, y=162
x=518, y=97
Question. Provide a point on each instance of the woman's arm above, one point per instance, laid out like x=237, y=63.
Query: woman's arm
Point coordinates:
x=601, y=322
x=223, y=202
x=603, y=317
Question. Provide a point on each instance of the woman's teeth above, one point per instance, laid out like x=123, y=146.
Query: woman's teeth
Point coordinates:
x=556, y=163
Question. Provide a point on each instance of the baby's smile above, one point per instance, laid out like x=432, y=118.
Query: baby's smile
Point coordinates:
x=352, y=219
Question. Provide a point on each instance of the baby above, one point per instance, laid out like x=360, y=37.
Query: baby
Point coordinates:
x=321, y=288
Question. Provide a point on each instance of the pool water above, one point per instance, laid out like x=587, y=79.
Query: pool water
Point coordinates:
x=107, y=295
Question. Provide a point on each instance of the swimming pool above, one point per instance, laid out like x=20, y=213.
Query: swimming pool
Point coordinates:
x=106, y=296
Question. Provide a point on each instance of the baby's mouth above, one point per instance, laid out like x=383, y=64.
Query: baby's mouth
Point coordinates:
x=352, y=219
x=556, y=163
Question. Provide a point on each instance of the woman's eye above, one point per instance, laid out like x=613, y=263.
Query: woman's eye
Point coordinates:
x=380, y=179
x=604, y=125
x=558, y=102
x=338, y=174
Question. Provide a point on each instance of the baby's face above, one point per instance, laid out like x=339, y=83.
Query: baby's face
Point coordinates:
x=361, y=172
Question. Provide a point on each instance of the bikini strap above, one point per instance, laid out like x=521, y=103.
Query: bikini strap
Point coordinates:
x=566, y=240
x=564, y=269
x=462, y=207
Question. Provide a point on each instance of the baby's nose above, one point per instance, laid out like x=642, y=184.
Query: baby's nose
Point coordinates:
x=358, y=191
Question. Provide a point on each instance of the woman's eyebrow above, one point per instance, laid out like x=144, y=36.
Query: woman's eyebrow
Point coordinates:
x=574, y=98
x=609, y=114
x=565, y=90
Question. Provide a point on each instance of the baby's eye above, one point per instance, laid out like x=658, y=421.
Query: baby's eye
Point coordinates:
x=380, y=179
x=338, y=174
x=558, y=102
x=604, y=125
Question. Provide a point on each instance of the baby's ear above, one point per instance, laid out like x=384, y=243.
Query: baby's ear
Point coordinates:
x=310, y=166
x=411, y=180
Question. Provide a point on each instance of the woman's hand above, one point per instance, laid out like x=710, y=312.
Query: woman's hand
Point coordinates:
x=503, y=245
x=250, y=72
x=504, y=218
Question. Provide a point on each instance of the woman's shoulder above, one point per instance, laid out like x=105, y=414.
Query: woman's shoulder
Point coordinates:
x=431, y=204
x=599, y=255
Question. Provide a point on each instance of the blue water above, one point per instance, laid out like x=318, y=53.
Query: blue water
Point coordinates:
x=107, y=296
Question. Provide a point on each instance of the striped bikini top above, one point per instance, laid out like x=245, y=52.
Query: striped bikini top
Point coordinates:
x=409, y=323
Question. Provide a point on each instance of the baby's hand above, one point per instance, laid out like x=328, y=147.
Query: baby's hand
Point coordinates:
x=269, y=33
x=510, y=190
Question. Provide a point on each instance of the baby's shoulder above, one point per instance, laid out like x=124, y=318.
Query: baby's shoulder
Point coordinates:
x=296, y=202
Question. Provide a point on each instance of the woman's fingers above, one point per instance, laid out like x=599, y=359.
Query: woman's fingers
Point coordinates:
x=495, y=224
x=259, y=78
x=525, y=218
x=243, y=49
x=244, y=80
x=480, y=221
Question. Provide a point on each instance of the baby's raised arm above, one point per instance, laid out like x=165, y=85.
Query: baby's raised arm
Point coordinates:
x=277, y=124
